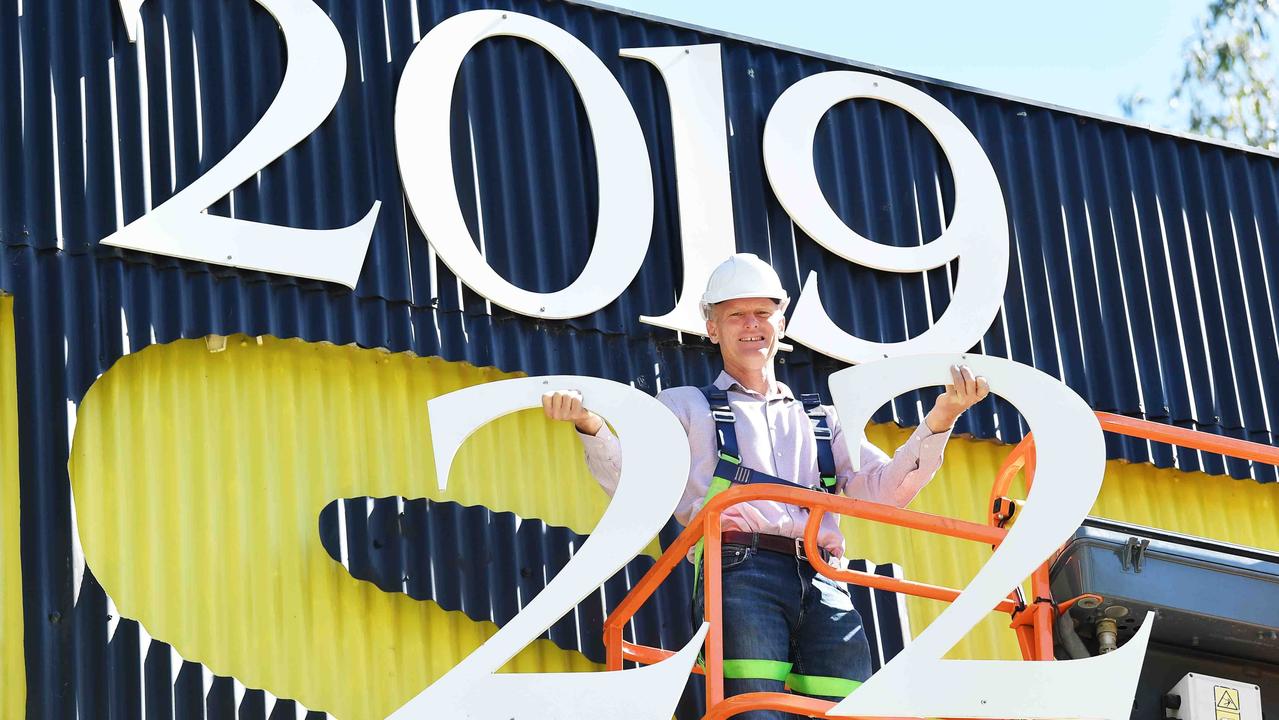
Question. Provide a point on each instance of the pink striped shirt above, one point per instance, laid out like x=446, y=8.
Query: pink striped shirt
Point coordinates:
x=774, y=435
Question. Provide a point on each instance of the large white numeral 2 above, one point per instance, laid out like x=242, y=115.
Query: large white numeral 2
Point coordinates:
x=1071, y=461
x=655, y=469
x=312, y=83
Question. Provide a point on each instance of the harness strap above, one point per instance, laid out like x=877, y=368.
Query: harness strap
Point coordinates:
x=821, y=431
x=730, y=471
x=730, y=465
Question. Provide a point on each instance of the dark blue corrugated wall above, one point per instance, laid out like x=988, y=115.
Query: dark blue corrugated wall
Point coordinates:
x=1142, y=273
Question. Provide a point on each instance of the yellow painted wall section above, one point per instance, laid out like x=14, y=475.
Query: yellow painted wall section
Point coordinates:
x=199, y=478
x=1221, y=508
x=13, y=680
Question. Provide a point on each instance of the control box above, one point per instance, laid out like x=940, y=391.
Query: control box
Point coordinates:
x=1204, y=697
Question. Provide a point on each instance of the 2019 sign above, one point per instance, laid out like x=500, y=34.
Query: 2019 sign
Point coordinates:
x=918, y=682
x=978, y=233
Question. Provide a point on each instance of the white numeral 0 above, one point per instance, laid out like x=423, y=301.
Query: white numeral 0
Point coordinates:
x=312, y=83
x=1071, y=461
x=655, y=469
x=423, y=108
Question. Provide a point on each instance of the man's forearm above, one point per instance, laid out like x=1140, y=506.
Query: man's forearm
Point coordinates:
x=939, y=420
x=590, y=424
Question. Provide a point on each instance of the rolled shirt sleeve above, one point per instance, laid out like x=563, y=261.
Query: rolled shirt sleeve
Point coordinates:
x=774, y=436
x=892, y=480
x=603, y=457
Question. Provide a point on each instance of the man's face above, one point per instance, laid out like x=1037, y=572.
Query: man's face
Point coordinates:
x=747, y=330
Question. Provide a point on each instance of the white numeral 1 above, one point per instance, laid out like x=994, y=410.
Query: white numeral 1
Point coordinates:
x=1070, y=454
x=694, y=80
x=179, y=227
x=655, y=468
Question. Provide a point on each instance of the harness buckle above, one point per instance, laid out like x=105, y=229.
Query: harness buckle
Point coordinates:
x=799, y=548
x=821, y=432
x=725, y=456
x=723, y=415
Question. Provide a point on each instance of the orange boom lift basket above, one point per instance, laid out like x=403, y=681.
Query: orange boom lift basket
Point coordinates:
x=1032, y=623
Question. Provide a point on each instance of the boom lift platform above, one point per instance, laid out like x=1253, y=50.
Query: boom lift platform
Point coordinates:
x=1090, y=594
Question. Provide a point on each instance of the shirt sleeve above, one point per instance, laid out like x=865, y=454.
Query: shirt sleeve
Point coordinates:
x=892, y=480
x=603, y=457
x=604, y=451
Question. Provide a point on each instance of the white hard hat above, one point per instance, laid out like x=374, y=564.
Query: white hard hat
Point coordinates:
x=743, y=275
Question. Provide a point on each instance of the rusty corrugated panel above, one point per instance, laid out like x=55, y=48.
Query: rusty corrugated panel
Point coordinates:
x=13, y=677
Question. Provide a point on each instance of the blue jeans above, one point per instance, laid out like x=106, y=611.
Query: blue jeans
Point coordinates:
x=778, y=608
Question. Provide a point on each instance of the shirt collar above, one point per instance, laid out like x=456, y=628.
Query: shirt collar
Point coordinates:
x=728, y=382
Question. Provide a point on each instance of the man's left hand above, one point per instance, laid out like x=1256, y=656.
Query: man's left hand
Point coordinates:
x=965, y=391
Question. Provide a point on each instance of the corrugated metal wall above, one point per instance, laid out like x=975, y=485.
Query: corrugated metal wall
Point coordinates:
x=1140, y=274
x=223, y=498
x=13, y=690
x=1155, y=241
x=272, y=470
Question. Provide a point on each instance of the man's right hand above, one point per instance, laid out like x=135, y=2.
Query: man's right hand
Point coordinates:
x=566, y=405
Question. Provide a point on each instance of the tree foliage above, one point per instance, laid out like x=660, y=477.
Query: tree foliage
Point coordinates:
x=1226, y=89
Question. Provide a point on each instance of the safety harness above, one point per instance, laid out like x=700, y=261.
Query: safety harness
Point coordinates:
x=730, y=471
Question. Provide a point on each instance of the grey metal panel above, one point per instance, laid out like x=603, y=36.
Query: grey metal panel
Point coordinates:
x=1212, y=598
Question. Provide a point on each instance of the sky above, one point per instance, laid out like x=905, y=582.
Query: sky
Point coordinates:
x=1082, y=55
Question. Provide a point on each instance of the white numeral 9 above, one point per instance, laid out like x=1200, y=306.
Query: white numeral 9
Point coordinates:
x=179, y=227
x=1071, y=459
x=978, y=233
x=656, y=458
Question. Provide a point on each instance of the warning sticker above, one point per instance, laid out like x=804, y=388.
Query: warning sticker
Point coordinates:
x=1226, y=700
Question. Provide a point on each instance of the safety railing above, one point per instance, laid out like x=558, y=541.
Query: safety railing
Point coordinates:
x=1032, y=622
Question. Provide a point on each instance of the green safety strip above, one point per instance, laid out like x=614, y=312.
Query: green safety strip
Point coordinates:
x=717, y=486
x=757, y=669
x=822, y=685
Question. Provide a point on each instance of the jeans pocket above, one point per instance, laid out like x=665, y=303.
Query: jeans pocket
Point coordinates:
x=842, y=587
x=732, y=556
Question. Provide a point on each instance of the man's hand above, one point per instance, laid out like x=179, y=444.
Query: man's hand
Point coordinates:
x=965, y=391
x=567, y=405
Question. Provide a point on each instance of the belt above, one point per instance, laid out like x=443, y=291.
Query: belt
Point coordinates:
x=773, y=543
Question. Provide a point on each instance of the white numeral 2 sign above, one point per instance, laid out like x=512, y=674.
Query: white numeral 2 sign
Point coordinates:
x=918, y=682
x=653, y=476
x=180, y=227
x=1071, y=461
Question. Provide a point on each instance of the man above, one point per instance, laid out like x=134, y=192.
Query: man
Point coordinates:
x=785, y=625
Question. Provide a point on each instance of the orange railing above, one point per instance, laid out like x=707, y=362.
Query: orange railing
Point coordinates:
x=1033, y=627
